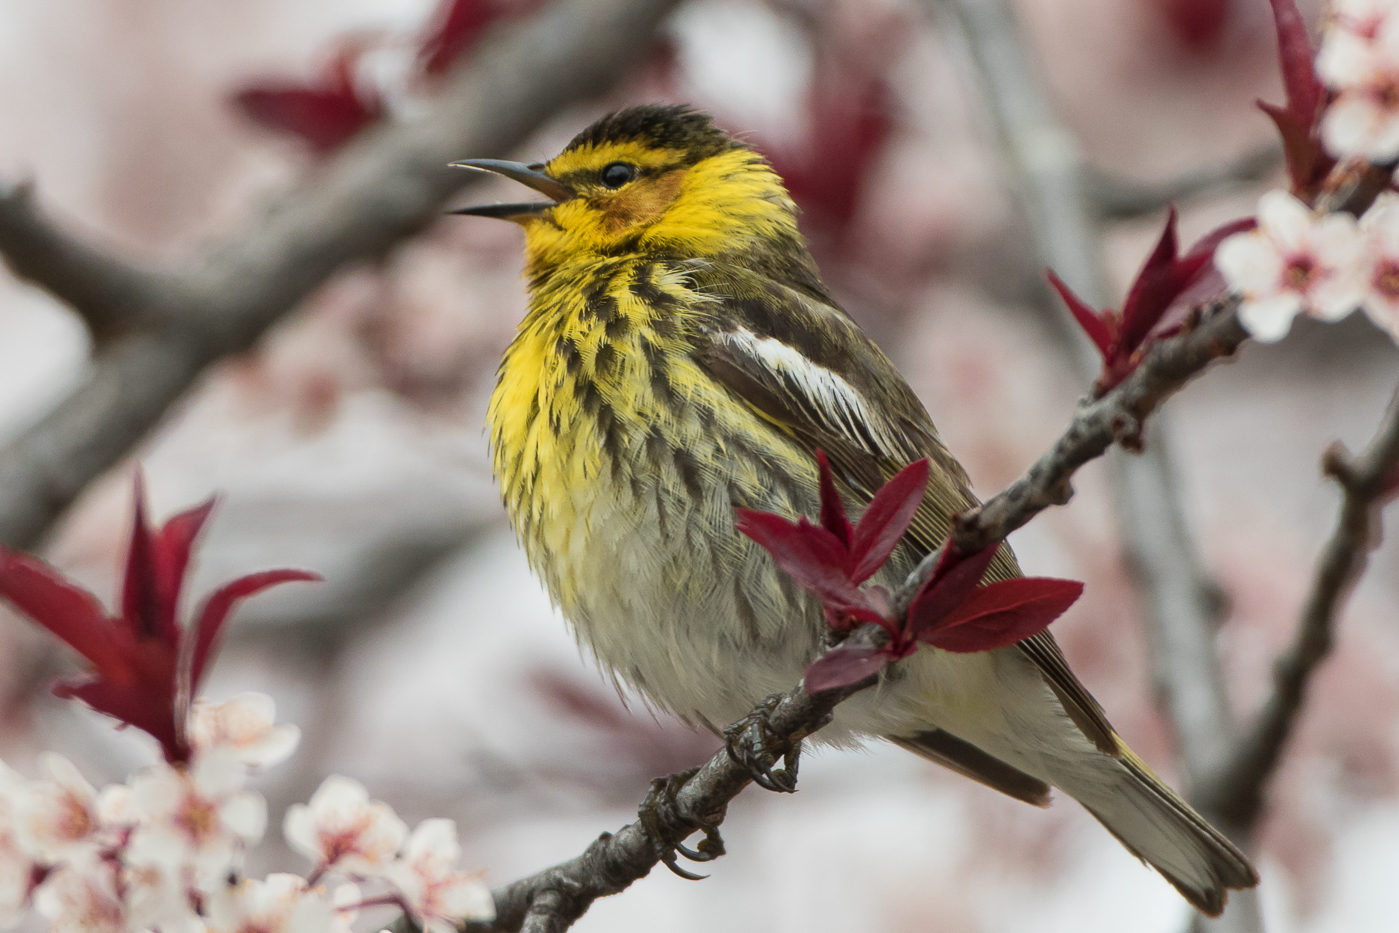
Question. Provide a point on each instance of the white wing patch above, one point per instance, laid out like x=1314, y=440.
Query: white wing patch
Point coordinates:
x=828, y=397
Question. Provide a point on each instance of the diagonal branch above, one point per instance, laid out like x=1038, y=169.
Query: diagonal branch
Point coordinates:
x=359, y=206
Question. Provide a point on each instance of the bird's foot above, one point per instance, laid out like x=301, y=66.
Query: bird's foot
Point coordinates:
x=753, y=744
x=661, y=817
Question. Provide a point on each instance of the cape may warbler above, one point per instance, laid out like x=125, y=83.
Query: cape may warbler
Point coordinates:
x=682, y=357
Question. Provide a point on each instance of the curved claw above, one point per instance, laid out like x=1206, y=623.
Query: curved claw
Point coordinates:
x=749, y=744
x=662, y=821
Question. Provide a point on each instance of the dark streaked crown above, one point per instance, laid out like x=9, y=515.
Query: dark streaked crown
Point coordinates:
x=666, y=126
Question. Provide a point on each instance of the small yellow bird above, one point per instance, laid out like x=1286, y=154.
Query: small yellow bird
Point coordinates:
x=680, y=358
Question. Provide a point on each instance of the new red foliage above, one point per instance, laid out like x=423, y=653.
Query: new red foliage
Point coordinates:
x=1298, y=120
x=950, y=611
x=326, y=113
x=1122, y=338
x=146, y=666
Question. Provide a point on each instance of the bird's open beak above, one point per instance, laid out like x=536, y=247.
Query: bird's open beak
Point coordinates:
x=530, y=175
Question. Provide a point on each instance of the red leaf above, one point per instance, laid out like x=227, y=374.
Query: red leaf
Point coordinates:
x=143, y=696
x=1207, y=244
x=173, y=544
x=848, y=107
x=140, y=595
x=886, y=518
x=69, y=612
x=1297, y=120
x=832, y=508
x=1100, y=328
x=1305, y=93
x=1207, y=284
x=209, y=623
x=807, y=553
x=455, y=26
x=1156, y=285
x=847, y=664
x=1003, y=613
x=1197, y=24
x=324, y=118
x=954, y=577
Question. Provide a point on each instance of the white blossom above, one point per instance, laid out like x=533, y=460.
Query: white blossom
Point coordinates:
x=157, y=897
x=81, y=896
x=247, y=724
x=57, y=815
x=282, y=903
x=1359, y=61
x=1380, y=228
x=1293, y=262
x=16, y=868
x=438, y=895
x=342, y=827
x=200, y=817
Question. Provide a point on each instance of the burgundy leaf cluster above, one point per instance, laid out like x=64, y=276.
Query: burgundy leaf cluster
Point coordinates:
x=848, y=118
x=1195, y=24
x=1123, y=337
x=834, y=559
x=1299, y=119
x=326, y=112
x=146, y=667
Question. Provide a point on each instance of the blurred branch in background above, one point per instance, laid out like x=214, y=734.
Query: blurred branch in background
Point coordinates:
x=1181, y=600
x=1116, y=199
x=165, y=328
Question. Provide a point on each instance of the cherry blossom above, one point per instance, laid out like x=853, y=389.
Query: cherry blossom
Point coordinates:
x=54, y=817
x=1380, y=227
x=199, y=817
x=156, y=897
x=1359, y=61
x=437, y=895
x=16, y=870
x=247, y=725
x=81, y=896
x=15, y=875
x=1360, y=18
x=282, y=903
x=1292, y=263
x=342, y=828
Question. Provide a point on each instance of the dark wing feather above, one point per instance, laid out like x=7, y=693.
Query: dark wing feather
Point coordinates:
x=852, y=403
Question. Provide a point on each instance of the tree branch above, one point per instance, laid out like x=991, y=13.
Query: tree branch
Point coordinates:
x=1237, y=791
x=554, y=898
x=361, y=204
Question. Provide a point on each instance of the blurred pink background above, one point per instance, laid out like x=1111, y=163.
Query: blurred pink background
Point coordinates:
x=430, y=664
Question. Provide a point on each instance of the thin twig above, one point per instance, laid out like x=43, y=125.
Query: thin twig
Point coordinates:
x=364, y=202
x=1237, y=791
x=1117, y=199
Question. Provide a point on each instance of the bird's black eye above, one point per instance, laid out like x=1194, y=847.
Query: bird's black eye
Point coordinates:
x=616, y=174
